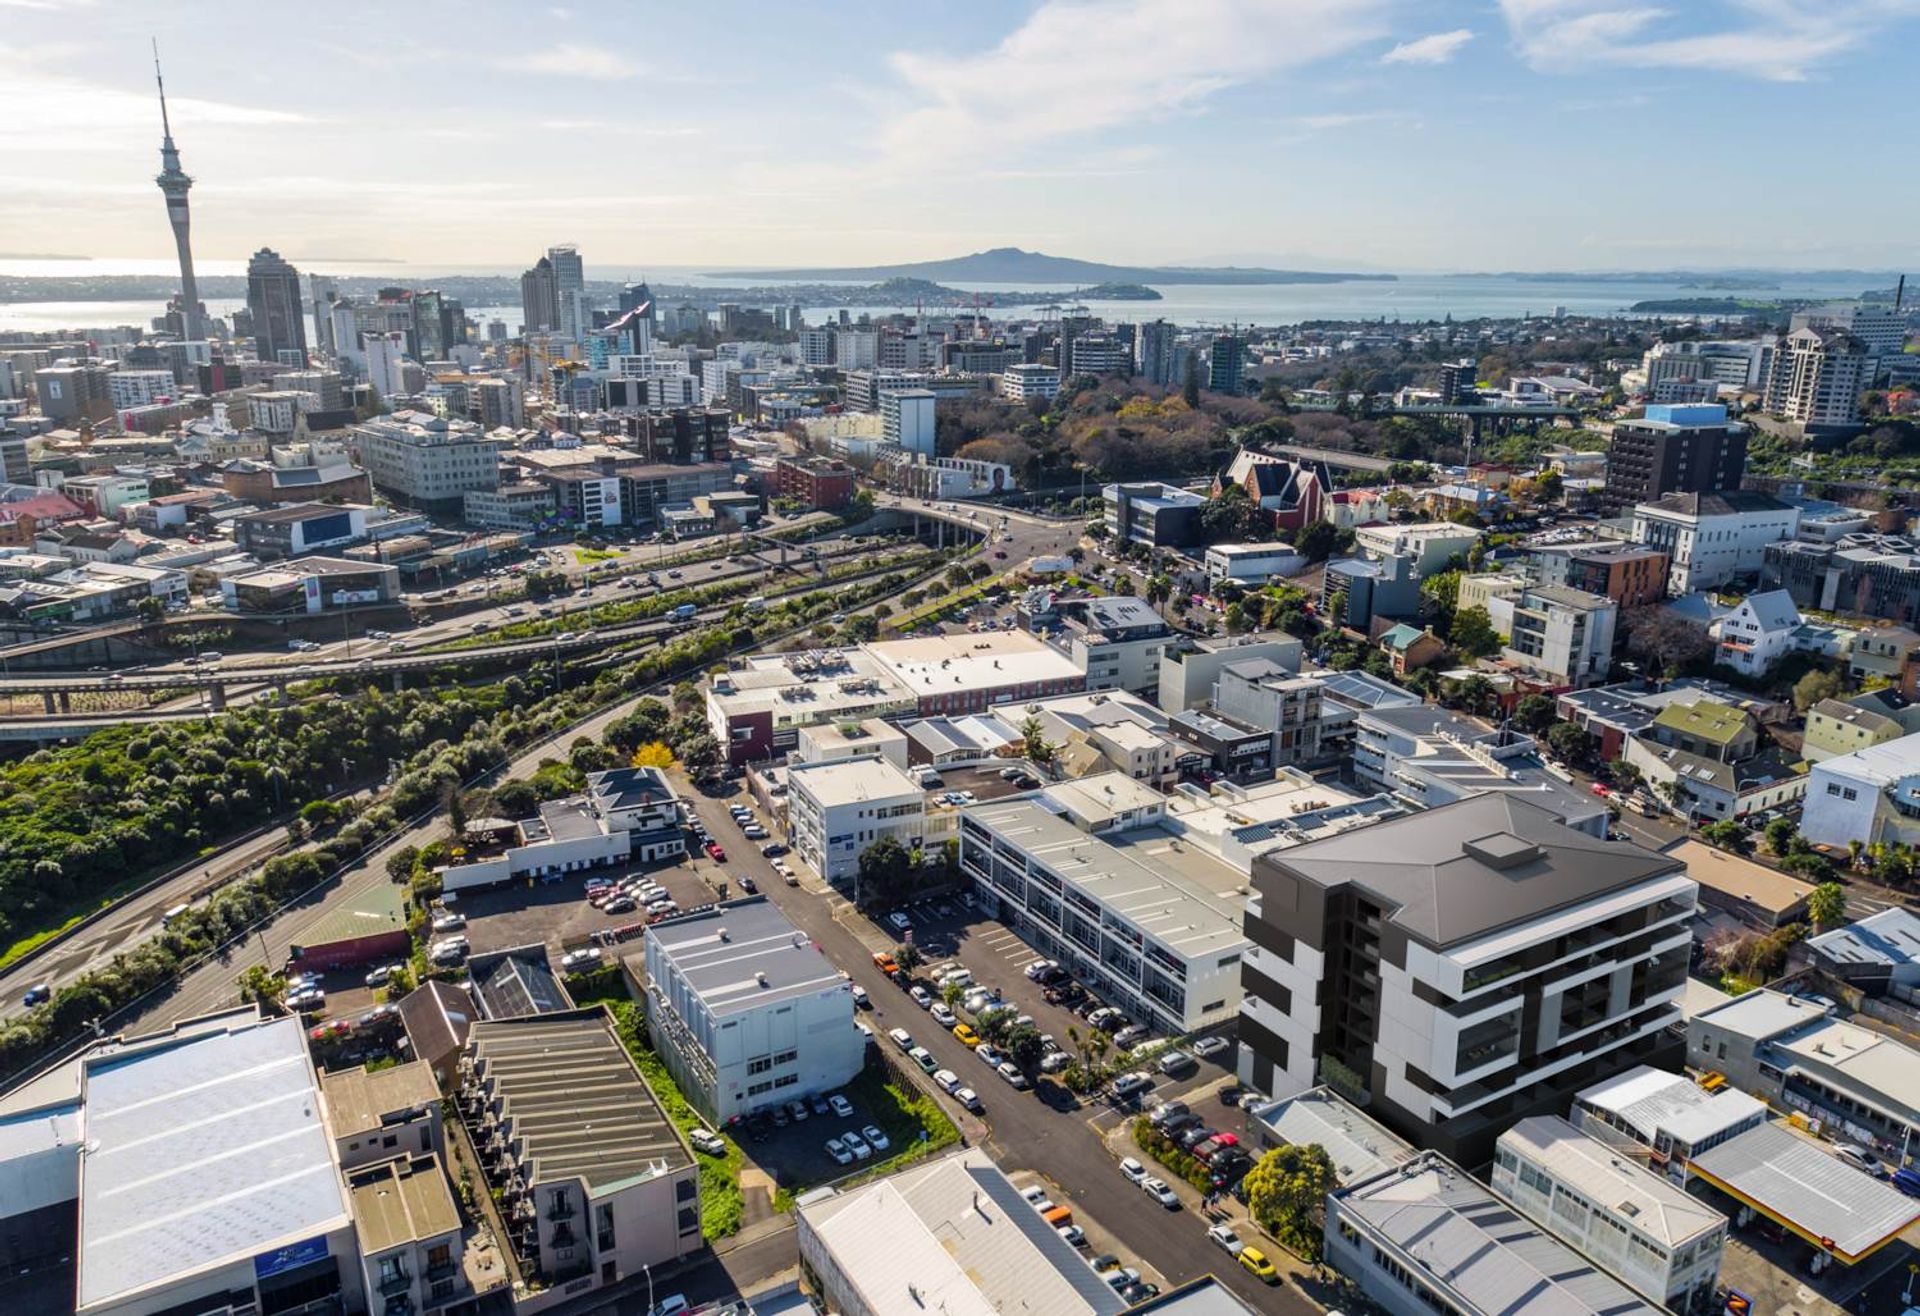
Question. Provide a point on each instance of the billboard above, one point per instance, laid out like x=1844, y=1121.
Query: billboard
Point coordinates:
x=291, y=1257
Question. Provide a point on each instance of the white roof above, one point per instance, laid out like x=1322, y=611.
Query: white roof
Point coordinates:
x=955, y=1238
x=851, y=781
x=201, y=1150
x=1653, y=1100
x=955, y=664
x=1878, y=765
x=1622, y=1187
x=1358, y=1147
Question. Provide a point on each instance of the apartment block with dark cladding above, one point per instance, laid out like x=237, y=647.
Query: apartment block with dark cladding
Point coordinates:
x=1462, y=968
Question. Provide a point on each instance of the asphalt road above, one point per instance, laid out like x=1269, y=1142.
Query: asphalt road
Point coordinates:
x=1067, y=1148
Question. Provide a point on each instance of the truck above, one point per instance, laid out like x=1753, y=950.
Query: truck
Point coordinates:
x=685, y=612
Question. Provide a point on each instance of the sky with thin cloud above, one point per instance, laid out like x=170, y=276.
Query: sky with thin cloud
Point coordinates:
x=1382, y=134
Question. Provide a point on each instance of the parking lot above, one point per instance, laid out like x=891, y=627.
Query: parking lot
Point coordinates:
x=557, y=914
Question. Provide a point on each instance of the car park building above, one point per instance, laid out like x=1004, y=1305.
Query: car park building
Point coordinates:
x=1089, y=875
x=836, y=810
x=1658, y=1240
x=745, y=1010
x=595, y=1181
x=1428, y=1237
x=1461, y=967
x=955, y=1237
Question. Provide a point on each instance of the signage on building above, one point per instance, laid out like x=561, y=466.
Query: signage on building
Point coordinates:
x=291, y=1257
x=342, y=597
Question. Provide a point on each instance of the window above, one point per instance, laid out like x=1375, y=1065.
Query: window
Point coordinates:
x=759, y=1065
x=786, y=1057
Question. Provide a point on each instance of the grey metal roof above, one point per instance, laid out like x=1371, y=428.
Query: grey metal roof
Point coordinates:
x=570, y=1099
x=1439, y=1218
x=1206, y=1296
x=1890, y=938
x=201, y=1150
x=1358, y=690
x=759, y=942
x=1444, y=883
x=1359, y=1148
x=516, y=982
x=1799, y=1183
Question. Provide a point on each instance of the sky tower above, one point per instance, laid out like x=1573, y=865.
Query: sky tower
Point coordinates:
x=174, y=184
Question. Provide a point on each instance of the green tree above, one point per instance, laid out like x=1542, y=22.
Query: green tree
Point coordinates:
x=1780, y=833
x=1814, y=686
x=1728, y=835
x=400, y=863
x=1827, y=906
x=887, y=872
x=907, y=955
x=259, y=983
x=1286, y=1191
x=152, y=608
x=1440, y=598
x=1034, y=737
x=455, y=805
x=1534, y=714
x=952, y=994
x=1473, y=634
x=1568, y=743
x=1623, y=774
x=1024, y=1045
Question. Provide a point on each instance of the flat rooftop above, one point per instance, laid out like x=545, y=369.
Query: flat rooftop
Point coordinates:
x=956, y=1238
x=1890, y=939
x=851, y=781
x=1359, y=1148
x=725, y=952
x=1464, y=870
x=400, y=1202
x=380, y=908
x=1482, y=1248
x=815, y=686
x=571, y=1098
x=1743, y=879
x=1656, y=1205
x=1762, y=1014
x=1798, y=1184
x=947, y=664
x=1184, y=898
x=359, y=1100
x=203, y=1150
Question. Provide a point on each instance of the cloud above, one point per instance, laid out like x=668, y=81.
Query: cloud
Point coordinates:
x=1076, y=67
x=1326, y=122
x=1440, y=48
x=1776, y=40
x=572, y=60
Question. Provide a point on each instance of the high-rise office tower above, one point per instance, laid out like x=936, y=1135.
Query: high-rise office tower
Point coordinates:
x=569, y=291
x=1225, y=363
x=1159, y=363
x=174, y=185
x=539, y=300
x=324, y=295
x=279, y=319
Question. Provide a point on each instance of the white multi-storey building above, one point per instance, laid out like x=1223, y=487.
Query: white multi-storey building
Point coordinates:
x=1463, y=966
x=1711, y=538
x=1088, y=874
x=1817, y=377
x=141, y=388
x=427, y=460
x=1661, y=1242
x=856, y=349
x=1029, y=379
x=1431, y=544
x=839, y=809
x=906, y=418
x=1562, y=634
x=746, y=1011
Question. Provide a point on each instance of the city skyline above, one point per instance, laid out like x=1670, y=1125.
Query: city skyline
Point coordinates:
x=1532, y=134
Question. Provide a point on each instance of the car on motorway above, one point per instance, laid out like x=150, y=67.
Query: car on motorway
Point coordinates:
x=1208, y=1047
x=923, y=1058
x=38, y=993
x=875, y=1138
x=1258, y=1266
x=708, y=1141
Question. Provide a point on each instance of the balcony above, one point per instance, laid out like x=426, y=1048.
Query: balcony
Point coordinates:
x=443, y=1270
x=395, y=1281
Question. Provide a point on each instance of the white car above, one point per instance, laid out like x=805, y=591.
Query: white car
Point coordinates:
x=942, y=1015
x=1133, y=1170
x=922, y=997
x=1073, y=1234
x=448, y=921
x=840, y=1106
x=857, y=1145
x=968, y=1098
x=901, y=1038
x=1131, y=1084
x=1157, y=1189
x=381, y=976
x=900, y=921
x=708, y=1141
x=580, y=959
x=875, y=1138
x=841, y=1154
x=1208, y=1047
x=947, y=1079
x=1224, y=1236
x=1011, y=1072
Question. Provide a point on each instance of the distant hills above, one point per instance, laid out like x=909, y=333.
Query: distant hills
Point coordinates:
x=1013, y=265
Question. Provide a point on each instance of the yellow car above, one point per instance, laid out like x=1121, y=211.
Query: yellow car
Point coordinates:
x=966, y=1034
x=1256, y=1261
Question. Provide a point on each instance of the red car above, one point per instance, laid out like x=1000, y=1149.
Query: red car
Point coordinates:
x=715, y=853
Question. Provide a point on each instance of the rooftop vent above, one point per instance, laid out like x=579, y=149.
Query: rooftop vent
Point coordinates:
x=722, y=932
x=1503, y=850
x=760, y=977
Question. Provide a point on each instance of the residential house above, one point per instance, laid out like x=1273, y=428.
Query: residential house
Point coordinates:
x=1409, y=648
